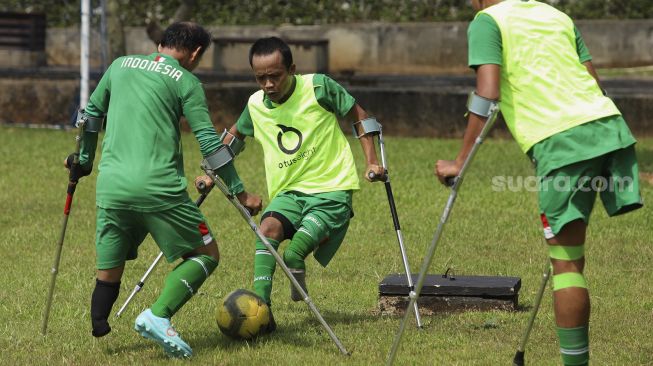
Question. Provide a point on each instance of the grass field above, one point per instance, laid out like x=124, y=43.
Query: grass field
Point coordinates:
x=489, y=233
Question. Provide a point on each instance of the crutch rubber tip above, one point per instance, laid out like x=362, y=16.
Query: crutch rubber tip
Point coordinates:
x=519, y=359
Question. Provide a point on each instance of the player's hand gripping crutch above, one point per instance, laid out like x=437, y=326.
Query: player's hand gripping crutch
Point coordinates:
x=455, y=183
x=246, y=215
x=141, y=282
x=83, y=123
x=395, y=219
x=518, y=360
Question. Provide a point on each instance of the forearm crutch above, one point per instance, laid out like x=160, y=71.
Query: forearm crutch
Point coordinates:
x=83, y=123
x=455, y=185
x=141, y=282
x=395, y=220
x=518, y=360
x=248, y=217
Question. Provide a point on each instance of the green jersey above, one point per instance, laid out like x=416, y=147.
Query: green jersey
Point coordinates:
x=142, y=165
x=304, y=148
x=578, y=143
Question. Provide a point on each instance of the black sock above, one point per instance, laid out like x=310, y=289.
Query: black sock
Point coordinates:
x=104, y=295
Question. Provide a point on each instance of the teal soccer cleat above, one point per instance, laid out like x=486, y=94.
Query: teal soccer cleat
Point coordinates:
x=161, y=331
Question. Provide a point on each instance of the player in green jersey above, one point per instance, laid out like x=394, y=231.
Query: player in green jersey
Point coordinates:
x=309, y=166
x=551, y=99
x=141, y=185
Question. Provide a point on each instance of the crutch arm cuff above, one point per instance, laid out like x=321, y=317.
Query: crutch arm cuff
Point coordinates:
x=367, y=126
x=236, y=145
x=89, y=122
x=481, y=106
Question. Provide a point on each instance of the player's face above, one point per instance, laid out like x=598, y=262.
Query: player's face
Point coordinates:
x=272, y=76
x=476, y=5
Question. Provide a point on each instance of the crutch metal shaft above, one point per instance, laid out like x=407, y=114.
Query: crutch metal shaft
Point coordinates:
x=141, y=283
x=518, y=360
x=414, y=295
x=248, y=217
x=395, y=221
x=72, y=185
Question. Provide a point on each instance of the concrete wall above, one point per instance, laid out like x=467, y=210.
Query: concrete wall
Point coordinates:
x=405, y=107
x=402, y=48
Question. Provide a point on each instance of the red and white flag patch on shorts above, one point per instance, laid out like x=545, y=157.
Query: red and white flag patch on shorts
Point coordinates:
x=206, y=235
x=548, y=232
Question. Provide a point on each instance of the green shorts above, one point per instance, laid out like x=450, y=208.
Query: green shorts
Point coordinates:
x=177, y=231
x=568, y=193
x=323, y=219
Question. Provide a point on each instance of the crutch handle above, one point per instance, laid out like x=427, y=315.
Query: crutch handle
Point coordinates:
x=376, y=177
x=202, y=186
x=450, y=181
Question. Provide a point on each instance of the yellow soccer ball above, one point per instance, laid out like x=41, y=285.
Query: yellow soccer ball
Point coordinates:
x=243, y=315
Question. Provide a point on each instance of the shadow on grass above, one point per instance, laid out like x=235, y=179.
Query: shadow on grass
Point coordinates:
x=334, y=317
x=285, y=334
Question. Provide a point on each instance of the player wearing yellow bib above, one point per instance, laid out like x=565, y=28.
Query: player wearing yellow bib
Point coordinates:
x=309, y=166
x=531, y=57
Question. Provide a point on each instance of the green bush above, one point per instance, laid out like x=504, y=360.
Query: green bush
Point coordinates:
x=300, y=12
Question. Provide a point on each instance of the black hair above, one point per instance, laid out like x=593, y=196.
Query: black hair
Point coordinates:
x=267, y=46
x=186, y=36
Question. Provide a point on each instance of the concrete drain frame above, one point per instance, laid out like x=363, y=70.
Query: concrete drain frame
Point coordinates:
x=448, y=293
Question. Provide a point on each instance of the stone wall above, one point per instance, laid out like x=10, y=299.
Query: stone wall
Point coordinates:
x=417, y=106
x=403, y=48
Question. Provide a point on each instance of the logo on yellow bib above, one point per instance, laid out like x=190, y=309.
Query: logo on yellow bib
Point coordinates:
x=285, y=129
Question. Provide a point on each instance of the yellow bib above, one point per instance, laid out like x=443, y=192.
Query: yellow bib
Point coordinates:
x=544, y=87
x=303, y=146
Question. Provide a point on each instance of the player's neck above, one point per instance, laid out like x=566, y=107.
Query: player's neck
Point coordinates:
x=290, y=90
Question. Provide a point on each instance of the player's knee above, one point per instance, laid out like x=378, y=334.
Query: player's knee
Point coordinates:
x=111, y=274
x=573, y=233
x=210, y=249
x=569, y=279
x=567, y=258
x=272, y=228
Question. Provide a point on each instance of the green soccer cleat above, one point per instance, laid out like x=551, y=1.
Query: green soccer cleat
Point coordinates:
x=161, y=331
x=300, y=276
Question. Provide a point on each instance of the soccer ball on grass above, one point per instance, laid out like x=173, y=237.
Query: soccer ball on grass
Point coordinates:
x=243, y=315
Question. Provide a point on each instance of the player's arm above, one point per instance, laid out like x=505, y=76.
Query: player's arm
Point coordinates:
x=356, y=114
x=487, y=86
x=213, y=150
x=92, y=118
x=485, y=56
x=235, y=135
x=585, y=58
x=335, y=99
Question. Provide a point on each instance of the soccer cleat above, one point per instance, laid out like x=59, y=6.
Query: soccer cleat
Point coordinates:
x=300, y=276
x=161, y=331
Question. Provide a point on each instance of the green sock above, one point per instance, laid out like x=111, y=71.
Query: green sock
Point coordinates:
x=299, y=248
x=182, y=283
x=574, y=346
x=264, y=266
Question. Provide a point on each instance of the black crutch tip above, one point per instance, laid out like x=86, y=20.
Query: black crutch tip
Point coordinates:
x=519, y=359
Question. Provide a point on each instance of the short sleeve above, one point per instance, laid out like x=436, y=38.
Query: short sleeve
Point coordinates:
x=244, y=124
x=484, y=42
x=581, y=48
x=332, y=96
